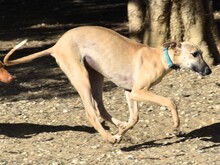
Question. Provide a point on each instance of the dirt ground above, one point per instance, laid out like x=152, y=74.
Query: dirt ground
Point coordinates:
x=42, y=117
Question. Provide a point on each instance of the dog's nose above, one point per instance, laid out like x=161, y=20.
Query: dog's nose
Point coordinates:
x=207, y=71
x=10, y=78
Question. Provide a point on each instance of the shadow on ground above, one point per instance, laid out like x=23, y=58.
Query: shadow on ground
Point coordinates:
x=208, y=133
x=27, y=130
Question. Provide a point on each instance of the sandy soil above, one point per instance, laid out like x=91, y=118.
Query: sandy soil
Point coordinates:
x=43, y=120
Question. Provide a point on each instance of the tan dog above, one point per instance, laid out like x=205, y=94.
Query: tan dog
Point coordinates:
x=88, y=54
x=5, y=77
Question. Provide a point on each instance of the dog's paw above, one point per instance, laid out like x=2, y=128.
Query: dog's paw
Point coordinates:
x=179, y=133
x=113, y=139
x=117, y=138
x=176, y=132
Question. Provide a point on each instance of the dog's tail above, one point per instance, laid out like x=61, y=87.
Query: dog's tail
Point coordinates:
x=25, y=59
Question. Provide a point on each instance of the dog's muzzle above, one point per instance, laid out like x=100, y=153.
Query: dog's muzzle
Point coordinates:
x=202, y=69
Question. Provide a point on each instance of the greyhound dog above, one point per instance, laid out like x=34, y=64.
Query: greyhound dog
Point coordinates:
x=5, y=77
x=87, y=54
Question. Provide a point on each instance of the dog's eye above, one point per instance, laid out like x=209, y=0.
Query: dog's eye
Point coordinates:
x=196, y=53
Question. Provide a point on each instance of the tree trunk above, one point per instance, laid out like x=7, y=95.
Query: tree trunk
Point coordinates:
x=136, y=16
x=153, y=22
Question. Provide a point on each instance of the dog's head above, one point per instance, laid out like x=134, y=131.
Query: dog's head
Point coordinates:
x=5, y=76
x=187, y=55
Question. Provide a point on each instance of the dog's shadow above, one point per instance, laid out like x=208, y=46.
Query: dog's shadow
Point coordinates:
x=210, y=133
x=27, y=130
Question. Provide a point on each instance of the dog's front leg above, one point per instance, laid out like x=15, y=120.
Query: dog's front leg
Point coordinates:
x=146, y=95
x=133, y=113
x=133, y=117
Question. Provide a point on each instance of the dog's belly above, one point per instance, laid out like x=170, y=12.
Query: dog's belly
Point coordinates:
x=122, y=81
x=113, y=71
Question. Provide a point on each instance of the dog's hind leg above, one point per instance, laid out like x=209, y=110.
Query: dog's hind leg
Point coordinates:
x=97, y=81
x=78, y=76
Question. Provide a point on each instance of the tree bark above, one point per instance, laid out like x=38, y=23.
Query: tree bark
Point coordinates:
x=158, y=20
x=136, y=16
x=153, y=22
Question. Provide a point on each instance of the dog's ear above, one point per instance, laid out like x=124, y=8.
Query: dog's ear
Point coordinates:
x=176, y=47
x=169, y=45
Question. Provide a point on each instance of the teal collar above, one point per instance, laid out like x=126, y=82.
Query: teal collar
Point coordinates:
x=167, y=57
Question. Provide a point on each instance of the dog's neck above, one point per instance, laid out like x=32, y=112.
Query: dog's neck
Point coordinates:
x=168, y=59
